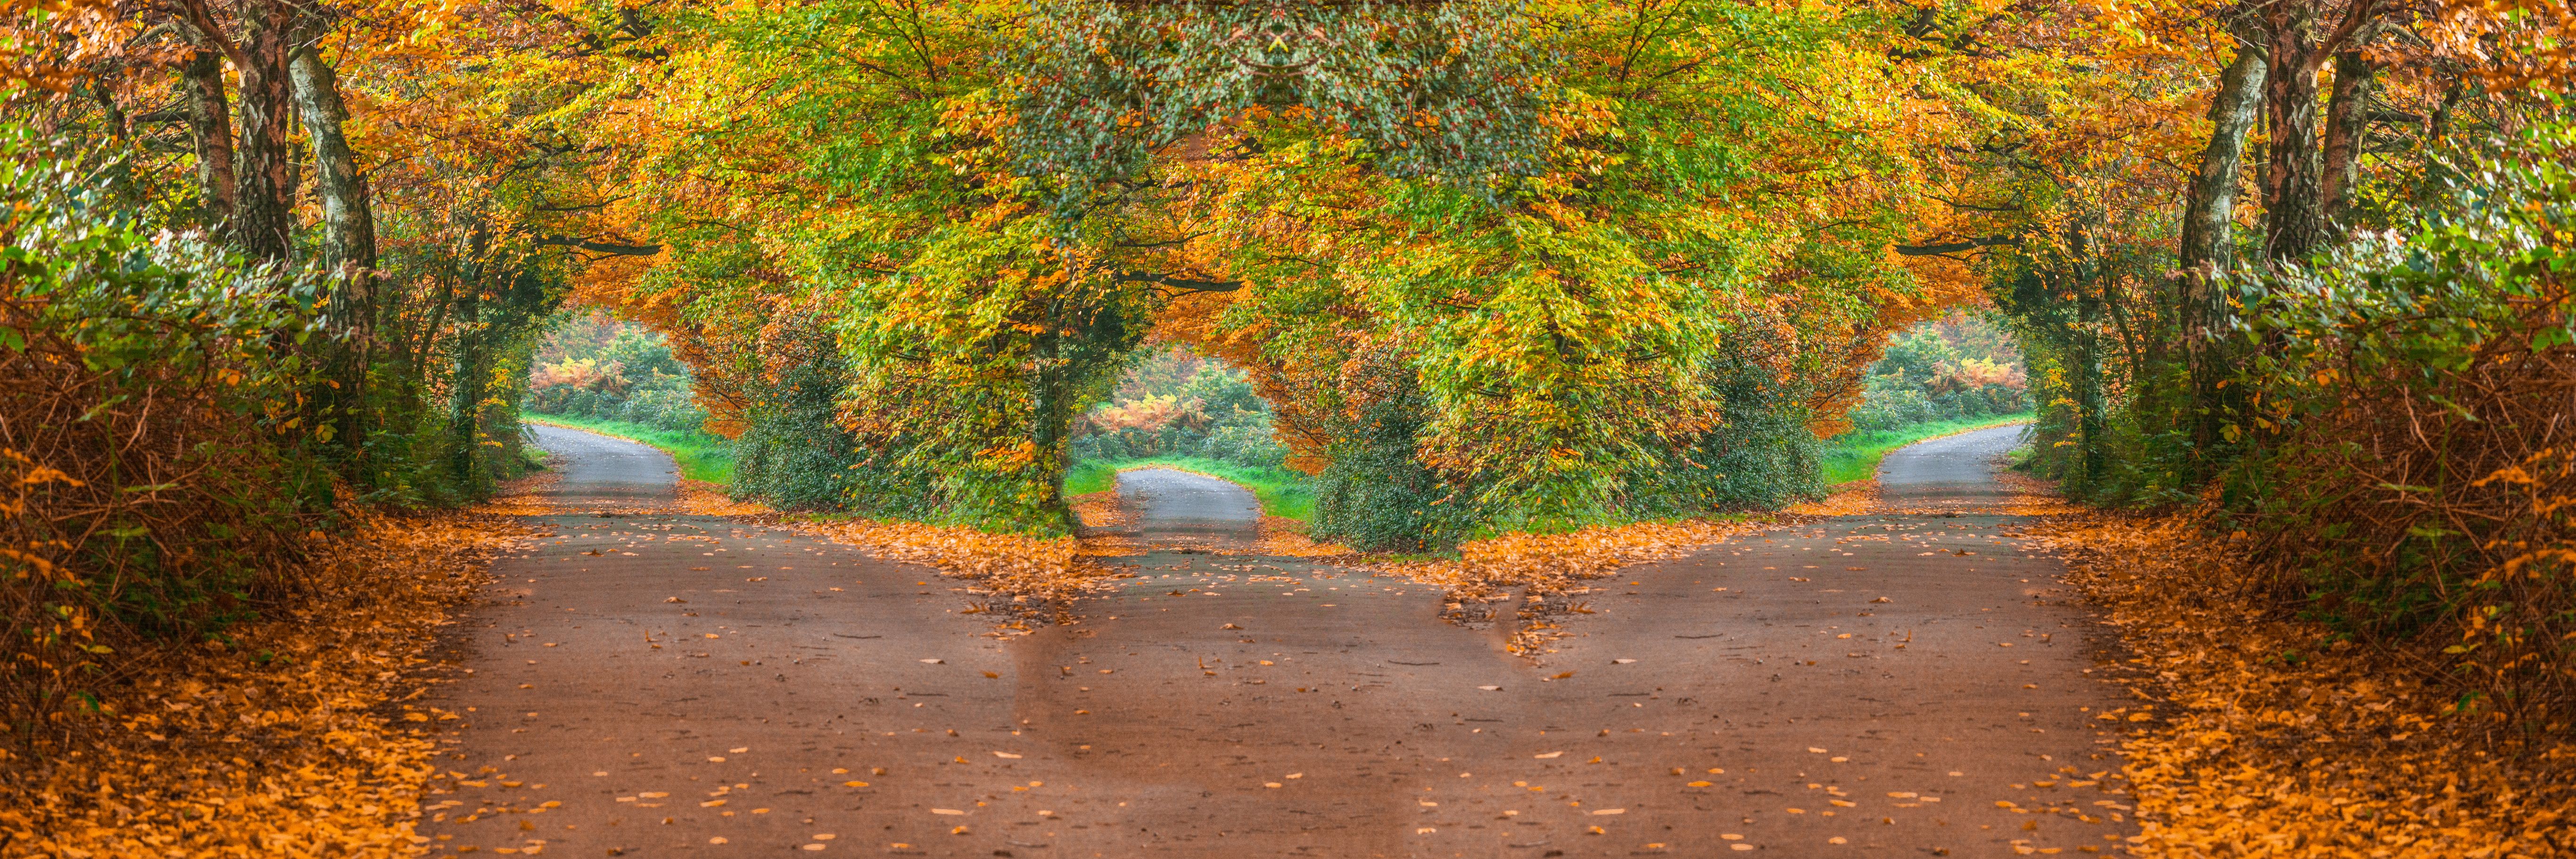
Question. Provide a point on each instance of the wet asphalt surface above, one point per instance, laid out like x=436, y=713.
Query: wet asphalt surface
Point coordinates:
x=705, y=687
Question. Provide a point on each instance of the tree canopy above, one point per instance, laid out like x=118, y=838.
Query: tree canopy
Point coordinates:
x=1497, y=266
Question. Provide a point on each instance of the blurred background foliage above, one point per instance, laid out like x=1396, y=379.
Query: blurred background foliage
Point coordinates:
x=1958, y=368
x=592, y=366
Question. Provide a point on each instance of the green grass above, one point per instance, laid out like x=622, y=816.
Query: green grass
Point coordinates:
x=701, y=455
x=1855, y=456
x=1282, y=492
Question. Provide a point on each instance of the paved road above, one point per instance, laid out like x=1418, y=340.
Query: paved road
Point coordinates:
x=601, y=472
x=1229, y=705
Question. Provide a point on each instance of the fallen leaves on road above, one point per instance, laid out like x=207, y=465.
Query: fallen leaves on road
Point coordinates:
x=525, y=496
x=285, y=738
x=1551, y=564
x=1856, y=498
x=1098, y=509
x=701, y=498
x=1285, y=537
x=1036, y=571
x=2259, y=741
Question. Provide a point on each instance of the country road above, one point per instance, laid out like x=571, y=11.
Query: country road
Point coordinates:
x=657, y=684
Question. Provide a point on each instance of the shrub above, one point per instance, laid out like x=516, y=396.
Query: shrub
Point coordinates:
x=152, y=442
x=2413, y=444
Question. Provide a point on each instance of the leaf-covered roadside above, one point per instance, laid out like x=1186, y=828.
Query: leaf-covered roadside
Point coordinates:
x=1549, y=569
x=2251, y=740
x=1025, y=576
x=287, y=737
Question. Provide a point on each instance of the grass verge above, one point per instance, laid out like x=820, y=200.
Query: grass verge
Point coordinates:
x=1855, y=456
x=1284, y=493
x=701, y=455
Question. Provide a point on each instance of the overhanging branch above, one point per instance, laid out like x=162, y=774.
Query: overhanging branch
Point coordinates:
x=1178, y=282
x=1957, y=246
x=599, y=246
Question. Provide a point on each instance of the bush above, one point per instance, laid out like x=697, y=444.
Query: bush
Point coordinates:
x=1952, y=369
x=151, y=438
x=1177, y=405
x=2411, y=456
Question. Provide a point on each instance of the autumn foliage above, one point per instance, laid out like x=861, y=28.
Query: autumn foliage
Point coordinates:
x=2411, y=474
x=150, y=438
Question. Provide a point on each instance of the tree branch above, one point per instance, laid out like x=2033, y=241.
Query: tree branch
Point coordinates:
x=1178, y=282
x=599, y=247
x=1957, y=246
x=2353, y=18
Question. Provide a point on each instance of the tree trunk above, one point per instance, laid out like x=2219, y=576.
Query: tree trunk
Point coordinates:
x=348, y=222
x=466, y=385
x=1053, y=414
x=2294, y=222
x=2093, y=437
x=210, y=124
x=2347, y=126
x=262, y=213
x=2209, y=221
x=2208, y=231
x=348, y=237
x=466, y=391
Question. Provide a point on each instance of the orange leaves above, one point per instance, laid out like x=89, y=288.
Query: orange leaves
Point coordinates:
x=1044, y=570
x=176, y=770
x=1554, y=562
x=2342, y=751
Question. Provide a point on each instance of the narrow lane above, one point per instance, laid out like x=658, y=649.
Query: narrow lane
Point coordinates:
x=1866, y=685
x=656, y=684
x=706, y=687
x=1171, y=509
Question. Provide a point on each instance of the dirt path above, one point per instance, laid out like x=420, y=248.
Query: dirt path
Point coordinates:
x=1228, y=705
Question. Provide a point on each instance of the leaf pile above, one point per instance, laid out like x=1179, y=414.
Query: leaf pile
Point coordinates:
x=701, y=498
x=280, y=739
x=1042, y=571
x=1285, y=537
x=2256, y=741
x=1545, y=563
